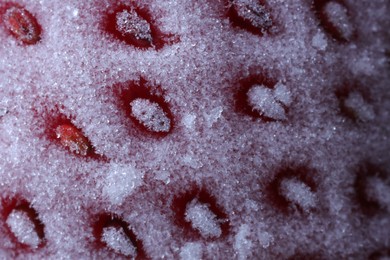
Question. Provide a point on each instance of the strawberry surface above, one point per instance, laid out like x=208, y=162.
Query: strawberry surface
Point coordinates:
x=206, y=129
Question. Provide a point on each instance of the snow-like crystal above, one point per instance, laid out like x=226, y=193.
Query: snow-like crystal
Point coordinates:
x=319, y=41
x=269, y=102
x=150, y=114
x=212, y=116
x=298, y=192
x=242, y=242
x=23, y=228
x=116, y=239
x=203, y=219
x=121, y=180
x=337, y=14
x=362, y=110
x=189, y=121
x=128, y=22
x=191, y=251
x=282, y=94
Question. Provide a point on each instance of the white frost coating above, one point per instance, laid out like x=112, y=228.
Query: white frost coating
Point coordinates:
x=269, y=102
x=379, y=191
x=23, y=228
x=299, y=193
x=116, y=239
x=319, y=41
x=242, y=242
x=121, y=181
x=203, y=219
x=337, y=14
x=191, y=251
x=128, y=22
x=254, y=12
x=362, y=110
x=150, y=114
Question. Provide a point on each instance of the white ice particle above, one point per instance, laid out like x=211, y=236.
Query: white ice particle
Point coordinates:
x=151, y=115
x=255, y=12
x=3, y=111
x=379, y=191
x=23, y=228
x=189, y=121
x=213, y=115
x=362, y=110
x=337, y=15
x=319, y=41
x=203, y=219
x=121, y=181
x=128, y=22
x=243, y=242
x=116, y=239
x=269, y=102
x=298, y=193
x=191, y=251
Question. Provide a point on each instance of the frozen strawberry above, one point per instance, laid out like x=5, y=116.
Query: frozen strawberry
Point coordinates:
x=251, y=15
x=73, y=139
x=203, y=136
x=22, y=24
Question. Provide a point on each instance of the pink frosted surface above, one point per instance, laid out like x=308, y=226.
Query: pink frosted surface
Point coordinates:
x=75, y=69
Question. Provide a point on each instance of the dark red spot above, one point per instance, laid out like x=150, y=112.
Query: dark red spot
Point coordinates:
x=20, y=204
x=253, y=16
x=241, y=96
x=179, y=206
x=380, y=254
x=61, y=130
x=107, y=220
x=20, y=23
x=307, y=256
x=368, y=205
x=136, y=27
x=300, y=173
x=334, y=30
x=134, y=90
